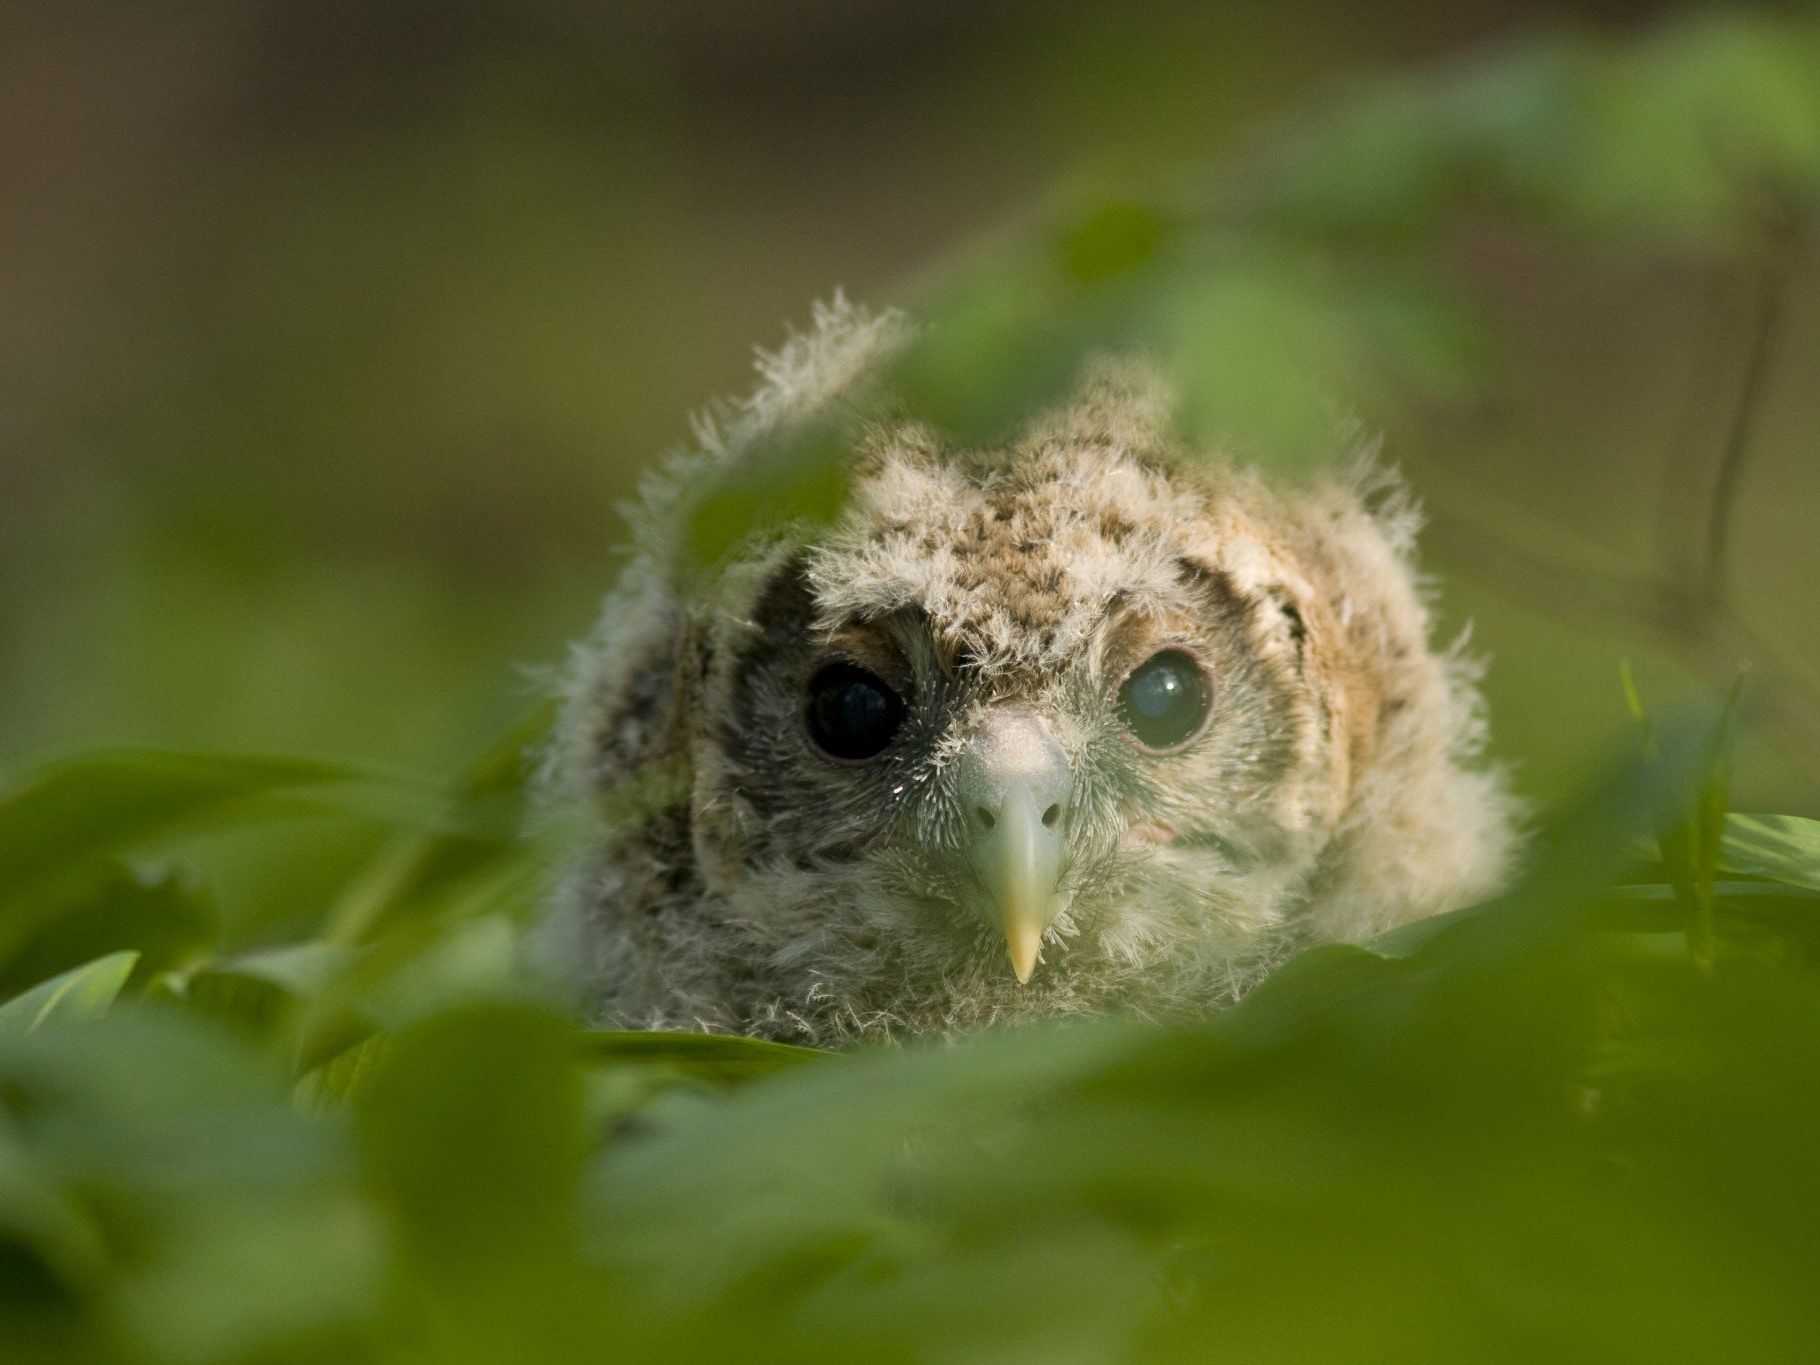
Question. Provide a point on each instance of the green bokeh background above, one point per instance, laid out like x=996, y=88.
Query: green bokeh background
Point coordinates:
x=331, y=334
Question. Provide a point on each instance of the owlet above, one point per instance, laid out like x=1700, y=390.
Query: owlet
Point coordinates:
x=1087, y=722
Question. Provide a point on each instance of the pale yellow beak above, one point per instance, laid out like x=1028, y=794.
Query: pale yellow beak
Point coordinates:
x=1016, y=783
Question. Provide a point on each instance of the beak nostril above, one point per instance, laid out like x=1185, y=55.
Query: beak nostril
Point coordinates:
x=985, y=817
x=1051, y=815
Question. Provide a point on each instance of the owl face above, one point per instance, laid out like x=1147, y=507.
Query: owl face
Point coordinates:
x=1090, y=722
x=1019, y=721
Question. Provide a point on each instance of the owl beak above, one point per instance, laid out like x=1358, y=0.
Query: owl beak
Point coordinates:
x=1015, y=782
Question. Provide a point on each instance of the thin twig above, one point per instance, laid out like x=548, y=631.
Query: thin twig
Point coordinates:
x=1685, y=506
x=1771, y=309
x=1706, y=638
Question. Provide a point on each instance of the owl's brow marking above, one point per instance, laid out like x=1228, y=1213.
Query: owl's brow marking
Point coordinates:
x=1216, y=587
x=1298, y=628
x=1211, y=584
x=784, y=600
x=778, y=613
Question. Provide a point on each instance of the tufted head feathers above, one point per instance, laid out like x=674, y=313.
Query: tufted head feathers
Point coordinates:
x=1086, y=722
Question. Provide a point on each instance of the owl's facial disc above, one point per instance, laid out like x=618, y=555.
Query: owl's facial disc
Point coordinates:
x=1026, y=705
x=1014, y=784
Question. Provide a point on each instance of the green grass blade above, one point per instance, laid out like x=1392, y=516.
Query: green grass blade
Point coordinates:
x=1783, y=847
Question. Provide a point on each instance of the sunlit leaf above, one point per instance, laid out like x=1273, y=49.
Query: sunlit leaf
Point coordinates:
x=1784, y=847
x=80, y=993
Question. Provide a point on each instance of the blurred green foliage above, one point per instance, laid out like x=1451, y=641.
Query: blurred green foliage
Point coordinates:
x=274, y=1085
x=331, y=332
x=1574, y=1122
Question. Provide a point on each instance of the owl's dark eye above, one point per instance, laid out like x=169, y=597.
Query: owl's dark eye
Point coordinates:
x=852, y=714
x=1165, y=701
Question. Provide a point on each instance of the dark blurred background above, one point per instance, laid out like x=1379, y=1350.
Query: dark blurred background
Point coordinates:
x=331, y=332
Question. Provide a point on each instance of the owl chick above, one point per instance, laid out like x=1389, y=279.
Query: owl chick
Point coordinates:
x=1090, y=722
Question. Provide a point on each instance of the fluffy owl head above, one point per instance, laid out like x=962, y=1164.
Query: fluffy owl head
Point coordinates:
x=1086, y=722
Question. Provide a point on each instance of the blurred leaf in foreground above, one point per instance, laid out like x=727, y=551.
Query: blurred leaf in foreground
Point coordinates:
x=80, y=993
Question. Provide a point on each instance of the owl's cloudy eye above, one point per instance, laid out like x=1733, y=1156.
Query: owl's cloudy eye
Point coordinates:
x=852, y=714
x=1165, y=700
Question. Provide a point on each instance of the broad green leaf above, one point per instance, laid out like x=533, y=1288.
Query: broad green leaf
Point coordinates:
x=60, y=818
x=226, y=1225
x=1265, y=352
x=412, y=976
x=41, y=1221
x=708, y=1058
x=106, y=906
x=81, y=993
x=1684, y=131
x=343, y=1076
x=796, y=477
x=271, y=992
x=244, y=1276
x=1113, y=239
x=1379, y=163
x=471, y=1128
x=454, y=871
x=1007, y=340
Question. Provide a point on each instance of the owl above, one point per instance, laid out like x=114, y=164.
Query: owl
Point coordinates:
x=1089, y=722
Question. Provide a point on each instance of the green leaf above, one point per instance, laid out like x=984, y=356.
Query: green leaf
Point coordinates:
x=1744, y=913
x=256, y=992
x=472, y=1129
x=60, y=818
x=1113, y=239
x=1264, y=355
x=1690, y=812
x=342, y=1077
x=84, y=992
x=1004, y=343
x=434, y=969
x=1683, y=134
x=225, y=1225
x=1784, y=847
x=799, y=476
x=104, y=907
x=459, y=871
